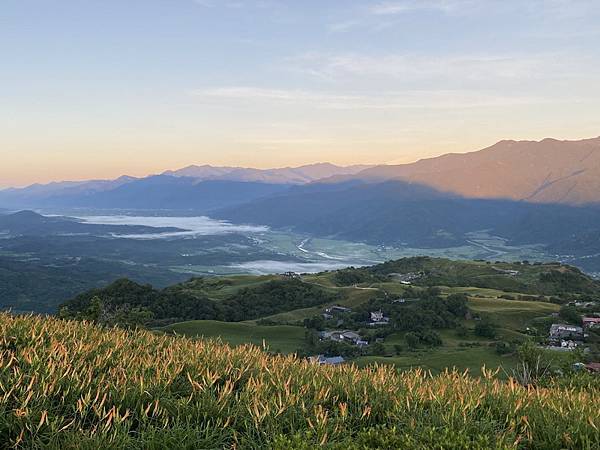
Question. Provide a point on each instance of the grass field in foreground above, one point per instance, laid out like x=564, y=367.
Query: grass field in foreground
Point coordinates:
x=278, y=338
x=71, y=385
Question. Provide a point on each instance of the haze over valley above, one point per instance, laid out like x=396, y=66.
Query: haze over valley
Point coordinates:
x=208, y=221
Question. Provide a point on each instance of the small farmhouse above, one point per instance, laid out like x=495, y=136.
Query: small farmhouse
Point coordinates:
x=591, y=322
x=560, y=332
x=327, y=361
x=378, y=318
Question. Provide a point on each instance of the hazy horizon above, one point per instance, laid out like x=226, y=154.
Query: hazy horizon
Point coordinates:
x=95, y=90
x=268, y=167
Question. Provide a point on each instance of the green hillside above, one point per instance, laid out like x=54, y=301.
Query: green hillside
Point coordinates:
x=74, y=385
x=462, y=314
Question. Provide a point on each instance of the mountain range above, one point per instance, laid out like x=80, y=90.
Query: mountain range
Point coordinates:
x=546, y=171
x=196, y=188
x=527, y=192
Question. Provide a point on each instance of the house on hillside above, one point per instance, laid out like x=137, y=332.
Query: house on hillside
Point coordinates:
x=292, y=275
x=327, y=361
x=348, y=336
x=563, y=333
x=378, y=318
x=590, y=322
x=593, y=367
x=337, y=309
x=512, y=273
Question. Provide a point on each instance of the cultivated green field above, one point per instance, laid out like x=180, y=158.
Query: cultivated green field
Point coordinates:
x=278, y=338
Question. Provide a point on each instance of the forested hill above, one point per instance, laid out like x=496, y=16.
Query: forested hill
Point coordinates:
x=129, y=303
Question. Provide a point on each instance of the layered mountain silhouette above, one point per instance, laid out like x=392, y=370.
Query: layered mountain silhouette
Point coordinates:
x=401, y=213
x=528, y=192
x=547, y=171
x=197, y=188
x=287, y=175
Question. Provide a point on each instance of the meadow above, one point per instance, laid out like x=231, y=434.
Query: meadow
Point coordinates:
x=277, y=338
x=74, y=385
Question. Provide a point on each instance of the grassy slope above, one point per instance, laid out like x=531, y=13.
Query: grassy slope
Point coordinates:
x=481, y=274
x=70, y=385
x=278, y=338
x=220, y=288
x=511, y=314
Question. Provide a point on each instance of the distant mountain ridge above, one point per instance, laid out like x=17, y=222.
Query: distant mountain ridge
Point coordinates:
x=286, y=175
x=546, y=171
x=198, y=188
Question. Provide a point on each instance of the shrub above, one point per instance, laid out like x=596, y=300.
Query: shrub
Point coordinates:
x=485, y=329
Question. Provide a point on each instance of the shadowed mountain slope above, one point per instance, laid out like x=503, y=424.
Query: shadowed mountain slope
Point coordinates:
x=548, y=171
x=397, y=212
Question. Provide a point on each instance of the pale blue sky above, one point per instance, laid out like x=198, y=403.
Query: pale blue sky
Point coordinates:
x=99, y=88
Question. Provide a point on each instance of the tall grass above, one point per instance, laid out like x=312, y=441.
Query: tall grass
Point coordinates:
x=74, y=385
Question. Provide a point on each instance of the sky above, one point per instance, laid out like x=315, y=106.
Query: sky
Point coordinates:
x=95, y=89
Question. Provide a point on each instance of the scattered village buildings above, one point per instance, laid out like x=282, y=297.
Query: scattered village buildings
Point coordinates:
x=566, y=336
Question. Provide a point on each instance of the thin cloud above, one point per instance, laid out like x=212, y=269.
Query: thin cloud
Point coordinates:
x=400, y=7
x=390, y=100
x=443, y=71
